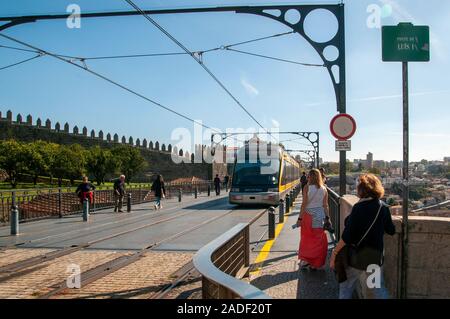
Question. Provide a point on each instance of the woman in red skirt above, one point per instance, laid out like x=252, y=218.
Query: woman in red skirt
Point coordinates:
x=313, y=213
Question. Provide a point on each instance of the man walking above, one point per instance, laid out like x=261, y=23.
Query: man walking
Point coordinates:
x=119, y=193
x=217, y=184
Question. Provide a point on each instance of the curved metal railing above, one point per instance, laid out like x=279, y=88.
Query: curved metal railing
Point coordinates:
x=220, y=261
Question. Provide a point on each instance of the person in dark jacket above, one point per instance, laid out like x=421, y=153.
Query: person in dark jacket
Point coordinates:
x=159, y=190
x=364, y=228
x=303, y=180
x=119, y=193
x=217, y=184
x=85, y=190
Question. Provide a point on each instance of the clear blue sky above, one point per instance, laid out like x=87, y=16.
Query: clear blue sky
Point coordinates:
x=296, y=97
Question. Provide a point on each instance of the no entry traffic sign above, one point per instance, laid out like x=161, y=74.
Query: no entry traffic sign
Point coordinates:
x=342, y=126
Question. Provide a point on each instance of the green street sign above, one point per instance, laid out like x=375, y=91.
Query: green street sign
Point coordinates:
x=405, y=43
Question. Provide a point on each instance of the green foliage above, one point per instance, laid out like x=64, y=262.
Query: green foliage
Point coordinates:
x=21, y=160
x=129, y=159
x=13, y=159
x=374, y=170
x=100, y=162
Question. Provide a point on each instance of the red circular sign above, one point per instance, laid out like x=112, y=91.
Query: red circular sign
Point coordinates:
x=342, y=126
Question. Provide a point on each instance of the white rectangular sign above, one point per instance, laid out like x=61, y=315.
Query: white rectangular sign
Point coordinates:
x=345, y=145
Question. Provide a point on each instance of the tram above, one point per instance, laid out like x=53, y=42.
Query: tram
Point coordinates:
x=261, y=177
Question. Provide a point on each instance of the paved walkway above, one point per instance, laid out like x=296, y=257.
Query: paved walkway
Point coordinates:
x=280, y=276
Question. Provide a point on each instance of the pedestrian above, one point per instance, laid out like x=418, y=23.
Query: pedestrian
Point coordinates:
x=217, y=184
x=303, y=180
x=314, y=216
x=119, y=193
x=324, y=177
x=361, y=243
x=226, y=180
x=85, y=190
x=159, y=190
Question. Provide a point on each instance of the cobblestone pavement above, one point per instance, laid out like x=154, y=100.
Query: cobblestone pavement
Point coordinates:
x=137, y=280
x=10, y=256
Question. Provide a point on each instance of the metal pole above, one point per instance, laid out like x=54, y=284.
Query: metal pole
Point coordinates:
x=209, y=190
x=281, y=211
x=342, y=98
x=60, y=202
x=86, y=210
x=288, y=203
x=129, y=202
x=404, y=263
x=196, y=192
x=271, y=216
x=179, y=194
x=14, y=219
x=318, y=155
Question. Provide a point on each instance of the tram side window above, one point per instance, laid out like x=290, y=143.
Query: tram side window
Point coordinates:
x=288, y=173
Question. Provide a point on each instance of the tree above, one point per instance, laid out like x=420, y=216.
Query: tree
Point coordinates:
x=69, y=162
x=130, y=160
x=13, y=159
x=39, y=158
x=374, y=170
x=100, y=162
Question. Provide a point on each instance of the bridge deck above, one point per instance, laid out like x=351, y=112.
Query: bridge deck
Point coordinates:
x=159, y=245
x=280, y=276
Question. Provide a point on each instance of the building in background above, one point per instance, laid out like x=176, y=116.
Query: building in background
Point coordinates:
x=369, y=160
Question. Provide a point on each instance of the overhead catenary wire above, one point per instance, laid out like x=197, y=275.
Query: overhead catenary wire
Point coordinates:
x=103, y=77
x=20, y=62
x=275, y=58
x=199, y=61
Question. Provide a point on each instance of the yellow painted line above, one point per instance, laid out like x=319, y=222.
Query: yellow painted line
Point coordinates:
x=265, y=251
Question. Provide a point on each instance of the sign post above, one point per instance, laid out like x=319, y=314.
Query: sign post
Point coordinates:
x=342, y=127
x=405, y=43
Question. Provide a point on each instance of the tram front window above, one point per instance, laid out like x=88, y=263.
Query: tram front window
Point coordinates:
x=256, y=174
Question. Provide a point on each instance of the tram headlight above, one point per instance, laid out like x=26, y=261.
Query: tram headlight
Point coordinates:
x=234, y=189
x=272, y=190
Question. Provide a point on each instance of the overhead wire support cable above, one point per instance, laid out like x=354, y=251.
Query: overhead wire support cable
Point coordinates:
x=43, y=52
x=199, y=61
x=20, y=62
x=275, y=58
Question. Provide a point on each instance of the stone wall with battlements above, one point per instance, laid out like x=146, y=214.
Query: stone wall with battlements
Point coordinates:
x=158, y=155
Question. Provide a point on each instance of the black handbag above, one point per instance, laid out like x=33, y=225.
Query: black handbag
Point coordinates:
x=361, y=257
x=357, y=257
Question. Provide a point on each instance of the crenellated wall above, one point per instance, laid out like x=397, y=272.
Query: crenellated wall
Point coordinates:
x=158, y=155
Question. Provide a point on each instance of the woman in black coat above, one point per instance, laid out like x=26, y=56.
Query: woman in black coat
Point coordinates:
x=159, y=190
x=362, y=238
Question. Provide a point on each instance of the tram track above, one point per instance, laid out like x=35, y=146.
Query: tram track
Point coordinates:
x=11, y=270
x=188, y=272
x=131, y=220
x=109, y=267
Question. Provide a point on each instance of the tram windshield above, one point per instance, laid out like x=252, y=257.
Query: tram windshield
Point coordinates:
x=259, y=173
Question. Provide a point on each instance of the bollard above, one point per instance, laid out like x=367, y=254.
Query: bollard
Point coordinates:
x=14, y=219
x=86, y=210
x=209, y=190
x=281, y=211
x=180, y=193
x=287, y=200
x=292, y=198
x=129, y=202
x=271, y=216
x=195, y=192
x=226, y=187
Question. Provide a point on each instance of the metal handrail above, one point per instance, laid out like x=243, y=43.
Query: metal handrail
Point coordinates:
x=204, y=265
x=334, y=205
